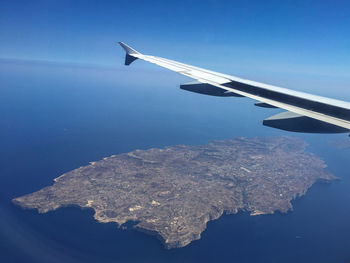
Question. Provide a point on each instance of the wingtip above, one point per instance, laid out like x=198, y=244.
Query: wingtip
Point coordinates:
x=128, y=49
x=130, y=53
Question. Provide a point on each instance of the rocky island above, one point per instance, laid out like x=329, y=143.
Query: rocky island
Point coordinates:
x=173, y=192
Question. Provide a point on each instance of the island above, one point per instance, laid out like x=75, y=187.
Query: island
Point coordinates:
x=340, y=144
x=174, y=191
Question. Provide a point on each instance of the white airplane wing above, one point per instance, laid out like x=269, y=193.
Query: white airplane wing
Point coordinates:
x=304, y=112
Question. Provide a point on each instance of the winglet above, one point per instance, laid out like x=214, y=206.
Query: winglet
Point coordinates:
x=130, y=52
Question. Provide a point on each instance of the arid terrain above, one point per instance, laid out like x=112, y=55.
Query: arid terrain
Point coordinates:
x=173, y=192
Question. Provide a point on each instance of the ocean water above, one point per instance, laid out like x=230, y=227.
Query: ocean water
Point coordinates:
x=55, y=118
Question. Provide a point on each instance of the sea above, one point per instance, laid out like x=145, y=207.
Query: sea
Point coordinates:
x=56, y=117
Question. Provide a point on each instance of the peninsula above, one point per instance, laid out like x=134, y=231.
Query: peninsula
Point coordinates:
x=173, y=192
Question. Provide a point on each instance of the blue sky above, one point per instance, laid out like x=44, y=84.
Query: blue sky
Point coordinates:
x=255, y=39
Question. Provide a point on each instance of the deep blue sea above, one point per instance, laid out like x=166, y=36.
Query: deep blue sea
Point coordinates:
x=57, y=117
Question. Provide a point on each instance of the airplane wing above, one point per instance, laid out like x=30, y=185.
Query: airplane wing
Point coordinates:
x=303, y=112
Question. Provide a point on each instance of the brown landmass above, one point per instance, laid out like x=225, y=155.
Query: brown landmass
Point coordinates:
x=173, y=192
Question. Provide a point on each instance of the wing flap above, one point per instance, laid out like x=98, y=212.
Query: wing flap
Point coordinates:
x=207, y=89
x=290, y=121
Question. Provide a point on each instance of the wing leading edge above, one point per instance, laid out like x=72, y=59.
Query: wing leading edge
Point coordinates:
x=304, y=112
